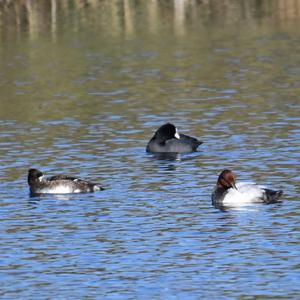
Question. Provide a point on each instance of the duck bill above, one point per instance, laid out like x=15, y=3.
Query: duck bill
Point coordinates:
x=233, y=185
x=177, y=136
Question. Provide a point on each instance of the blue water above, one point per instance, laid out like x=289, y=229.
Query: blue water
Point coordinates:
x=153, y=232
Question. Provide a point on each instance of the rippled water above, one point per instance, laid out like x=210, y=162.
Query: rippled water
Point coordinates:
x=86, y=104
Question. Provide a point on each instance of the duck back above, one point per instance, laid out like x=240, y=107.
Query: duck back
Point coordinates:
x=184, y=145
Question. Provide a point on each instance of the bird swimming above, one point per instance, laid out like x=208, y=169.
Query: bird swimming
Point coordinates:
x=58, y=184
x=167, y=140
x=229, y=193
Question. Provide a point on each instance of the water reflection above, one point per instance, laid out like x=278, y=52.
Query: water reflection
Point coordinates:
x=46, y=16
x=34, y=198
x=175, y=156
x=243, y=207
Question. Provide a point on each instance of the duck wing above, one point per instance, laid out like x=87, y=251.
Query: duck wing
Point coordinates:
x=63, y=183
x=190, y=140
x=260, y=192
x=63, y=177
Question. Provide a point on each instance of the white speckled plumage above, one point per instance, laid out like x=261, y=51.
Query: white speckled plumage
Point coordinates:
x=59, y=184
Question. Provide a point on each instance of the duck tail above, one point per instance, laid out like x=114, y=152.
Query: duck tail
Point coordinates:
x=272, y=196
x=199, y=143
x=195, y=143
x=97, y=187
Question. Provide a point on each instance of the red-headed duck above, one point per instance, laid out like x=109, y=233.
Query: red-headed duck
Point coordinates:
x=228, y=192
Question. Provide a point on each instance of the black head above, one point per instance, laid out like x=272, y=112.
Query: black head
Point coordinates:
x=226, y=180
x=167, y=131
x=33, y=174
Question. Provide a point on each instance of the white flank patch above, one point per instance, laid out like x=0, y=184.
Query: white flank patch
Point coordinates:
x=61, y=189
x=244, y=194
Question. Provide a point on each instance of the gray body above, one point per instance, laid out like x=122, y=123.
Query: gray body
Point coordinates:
x=182, y=145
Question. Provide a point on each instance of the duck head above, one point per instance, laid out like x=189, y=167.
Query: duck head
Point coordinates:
x=226, y=180
x=167, y=131
x=34, y=175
